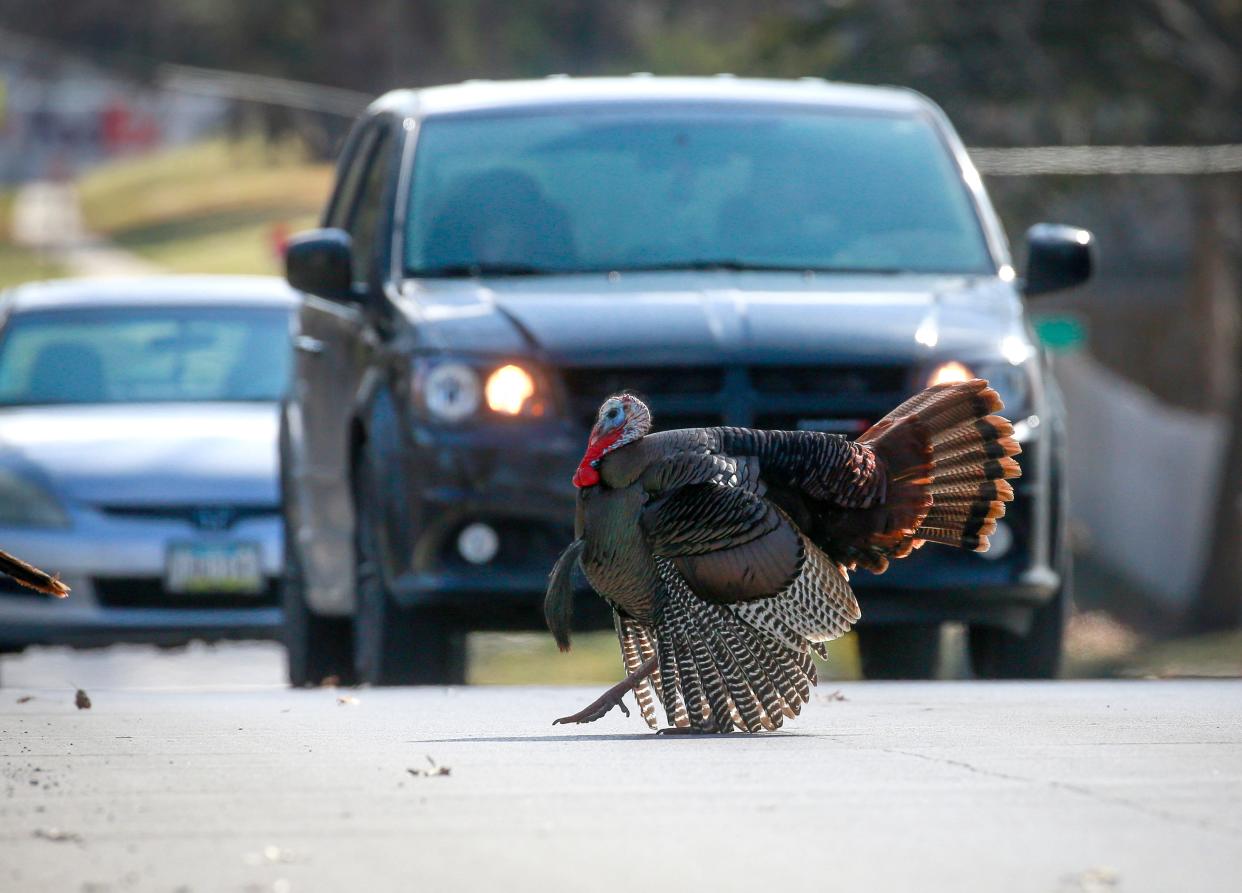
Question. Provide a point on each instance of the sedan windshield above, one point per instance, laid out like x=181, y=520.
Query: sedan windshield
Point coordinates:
x=144, y=355
x=590, y=190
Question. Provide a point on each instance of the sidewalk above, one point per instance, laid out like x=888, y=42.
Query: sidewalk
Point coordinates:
x=47, y=218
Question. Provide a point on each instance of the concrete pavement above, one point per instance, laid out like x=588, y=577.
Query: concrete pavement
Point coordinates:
x=1117, y=786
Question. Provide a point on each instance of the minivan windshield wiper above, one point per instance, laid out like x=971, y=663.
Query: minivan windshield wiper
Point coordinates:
x=731, y=264
x=460, y=271
x=463, y=271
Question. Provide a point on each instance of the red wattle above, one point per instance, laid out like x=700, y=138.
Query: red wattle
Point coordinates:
x=586, y=475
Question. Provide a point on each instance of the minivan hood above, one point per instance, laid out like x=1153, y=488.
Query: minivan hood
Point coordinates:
x=689, y=318
x=147, y=454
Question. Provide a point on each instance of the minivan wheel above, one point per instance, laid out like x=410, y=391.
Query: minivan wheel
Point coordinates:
x=997, y=653
x=900, y=650
x=317, y=648
x=1001, y=654
x=394, y=645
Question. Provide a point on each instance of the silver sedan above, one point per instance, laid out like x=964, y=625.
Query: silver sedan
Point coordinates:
x=138, y=460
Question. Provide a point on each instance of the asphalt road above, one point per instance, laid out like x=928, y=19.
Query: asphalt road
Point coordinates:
x=1075, y=786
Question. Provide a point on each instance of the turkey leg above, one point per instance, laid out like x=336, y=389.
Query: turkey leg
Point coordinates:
x=611, y=698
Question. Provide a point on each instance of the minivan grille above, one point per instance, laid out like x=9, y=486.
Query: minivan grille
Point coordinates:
x=838, y=380
x=823, y=397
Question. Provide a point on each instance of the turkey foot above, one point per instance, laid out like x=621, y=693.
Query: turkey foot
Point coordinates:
x=611, y=698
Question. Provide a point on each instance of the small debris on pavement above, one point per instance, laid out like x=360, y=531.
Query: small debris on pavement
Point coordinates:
x=272, y=855
x=835, y=696
x=330, y=681
x=56, y=835
x=347, y=701
x=1093, y=880
x=25, y=699
x=82, y=700
x=435, y=769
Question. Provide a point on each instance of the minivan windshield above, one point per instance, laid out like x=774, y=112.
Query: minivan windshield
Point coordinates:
x=676, y=188
x=144, y=355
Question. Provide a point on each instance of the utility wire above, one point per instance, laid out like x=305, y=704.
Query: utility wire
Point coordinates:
x=1094, y=160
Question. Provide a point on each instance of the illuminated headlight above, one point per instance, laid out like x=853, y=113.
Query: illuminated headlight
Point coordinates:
x=24, y=503
x=451, y=392
x=1011, y=382
x=510, y=390
x=950, y=372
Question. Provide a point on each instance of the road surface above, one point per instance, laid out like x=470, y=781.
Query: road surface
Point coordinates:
x=1072, y=786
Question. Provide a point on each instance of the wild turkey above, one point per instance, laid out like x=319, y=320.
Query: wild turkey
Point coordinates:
x=31, y=577
x=725, y=552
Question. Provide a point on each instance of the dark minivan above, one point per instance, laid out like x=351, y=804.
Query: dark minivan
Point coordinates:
x=497, y=258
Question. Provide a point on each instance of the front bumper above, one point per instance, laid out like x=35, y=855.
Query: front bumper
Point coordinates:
x=115, y=570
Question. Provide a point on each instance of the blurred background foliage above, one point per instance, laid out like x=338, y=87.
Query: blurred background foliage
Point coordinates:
x=1018, y=73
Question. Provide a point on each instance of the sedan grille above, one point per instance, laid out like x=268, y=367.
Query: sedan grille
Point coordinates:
x=149, y=592
x=204, y=517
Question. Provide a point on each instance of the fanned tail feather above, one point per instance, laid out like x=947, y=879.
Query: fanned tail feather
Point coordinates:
x=956, y=488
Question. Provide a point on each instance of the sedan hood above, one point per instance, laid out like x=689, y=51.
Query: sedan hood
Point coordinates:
x=151, y=454
x=690, y=318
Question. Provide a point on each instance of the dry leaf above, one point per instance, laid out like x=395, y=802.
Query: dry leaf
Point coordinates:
x=25, y=699
x=1093, y=880
x=347, y=701
x=433, y=771
x=82, y=700
x=58, y=836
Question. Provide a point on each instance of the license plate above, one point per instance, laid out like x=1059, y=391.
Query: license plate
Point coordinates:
x=214, y=567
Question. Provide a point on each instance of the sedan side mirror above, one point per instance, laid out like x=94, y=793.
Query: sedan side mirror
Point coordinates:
x=319, y=261
x=1058, y=257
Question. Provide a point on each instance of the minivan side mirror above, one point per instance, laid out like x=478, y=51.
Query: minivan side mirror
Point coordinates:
x=1058, y=257
x=319, y=261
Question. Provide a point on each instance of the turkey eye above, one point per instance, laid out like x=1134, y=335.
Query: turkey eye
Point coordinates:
x=612, y=413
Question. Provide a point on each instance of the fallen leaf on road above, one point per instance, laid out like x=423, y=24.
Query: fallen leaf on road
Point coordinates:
x=82, y=700
x=272, y=855
x=435, y=769
x=1093, y=880
x=57, y=836
x=25, y=699
x=347, y=701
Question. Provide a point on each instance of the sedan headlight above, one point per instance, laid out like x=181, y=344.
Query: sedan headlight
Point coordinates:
x=453, y=391
x=24, y=503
